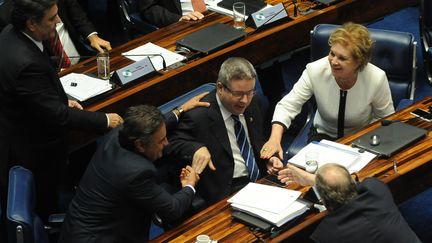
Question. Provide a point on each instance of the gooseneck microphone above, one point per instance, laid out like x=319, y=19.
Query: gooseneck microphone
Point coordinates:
x=388, y=122
x=164, y=66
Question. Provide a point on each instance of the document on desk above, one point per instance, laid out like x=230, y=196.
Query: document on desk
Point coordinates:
x=82, y=87
x=276, y=205
x=141, y=52
x=264, y=197
x=213, y=6
x=332, y=152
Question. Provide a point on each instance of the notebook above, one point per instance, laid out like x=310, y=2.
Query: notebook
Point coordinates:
x=211, y=38
x=251, y=5
x=393, y=138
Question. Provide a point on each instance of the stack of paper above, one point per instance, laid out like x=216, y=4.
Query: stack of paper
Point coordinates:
x=83, y=87
x=140, y=53
x=273, y=204
x=332, y=152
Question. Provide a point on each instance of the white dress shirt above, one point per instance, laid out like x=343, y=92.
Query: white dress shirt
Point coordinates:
x=240, y=168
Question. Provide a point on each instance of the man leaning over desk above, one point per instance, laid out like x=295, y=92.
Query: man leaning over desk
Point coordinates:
x=227, y=136
x=35, y=113
x=357, y=212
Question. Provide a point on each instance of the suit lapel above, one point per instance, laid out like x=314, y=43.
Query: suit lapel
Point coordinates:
x=217, y=124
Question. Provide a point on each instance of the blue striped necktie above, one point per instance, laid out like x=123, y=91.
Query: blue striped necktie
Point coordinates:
x=245, y=149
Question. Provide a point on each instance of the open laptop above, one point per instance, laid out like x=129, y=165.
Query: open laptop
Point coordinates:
x=392, y=138
x=211, y=38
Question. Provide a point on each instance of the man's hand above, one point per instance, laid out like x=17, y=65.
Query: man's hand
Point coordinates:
x=188, y=176
x=99, y=44
x=192, y=16
x=271, y=148
x=293, y=174
x=195, y=102
x=114, y=120
x=201, y=159
x=74, y=104
x=274, y=165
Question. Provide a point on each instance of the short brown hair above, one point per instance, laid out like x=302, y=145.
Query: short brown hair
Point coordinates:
x=357, y=38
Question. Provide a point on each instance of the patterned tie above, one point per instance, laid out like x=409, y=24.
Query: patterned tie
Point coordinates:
x=199, y=6
x=58, y=51
x=245, y=149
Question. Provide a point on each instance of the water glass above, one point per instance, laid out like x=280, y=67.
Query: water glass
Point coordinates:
x=311, y=158
x=239, y=12
x=103, y=65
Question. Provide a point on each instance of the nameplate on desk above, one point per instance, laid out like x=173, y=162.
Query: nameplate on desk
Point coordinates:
x=268, y=16
x=134, y=71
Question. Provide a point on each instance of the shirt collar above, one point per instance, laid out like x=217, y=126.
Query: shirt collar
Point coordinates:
x=37, y=43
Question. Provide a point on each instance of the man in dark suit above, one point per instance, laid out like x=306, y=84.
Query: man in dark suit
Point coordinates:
x=363, y=212
x=118, y=193
x=35, y=113
x=209, y=136
x=165, y=12
x=80, y=28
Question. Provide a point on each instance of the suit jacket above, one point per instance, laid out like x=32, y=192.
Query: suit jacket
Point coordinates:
x=205, y=127
x=76, y=22
x=34, y=113
x=117, y=197
x=370, y=217
x=160, y=12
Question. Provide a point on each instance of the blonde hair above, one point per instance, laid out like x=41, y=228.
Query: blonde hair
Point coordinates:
x=355, y=37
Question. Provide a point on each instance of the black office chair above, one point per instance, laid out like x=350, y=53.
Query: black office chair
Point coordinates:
x=133, y=25
x=24, y=225
x=394, y=52
x=425, y=22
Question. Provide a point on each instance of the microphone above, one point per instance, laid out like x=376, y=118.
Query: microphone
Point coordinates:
x=269, y=20
x=164, y=66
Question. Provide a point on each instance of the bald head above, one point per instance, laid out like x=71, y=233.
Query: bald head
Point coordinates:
x=335, y=185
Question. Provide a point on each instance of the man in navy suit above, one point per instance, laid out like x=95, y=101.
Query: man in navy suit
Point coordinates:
x=118, y=193
x=208, y=136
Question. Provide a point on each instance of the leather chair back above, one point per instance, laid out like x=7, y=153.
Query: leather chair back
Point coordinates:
x=23, y=223
x=425, y=26
x=130, y=18
x=394, y=52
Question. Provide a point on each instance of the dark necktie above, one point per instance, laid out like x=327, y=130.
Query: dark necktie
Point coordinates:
x=58, y=51
x=245, y=149
x=341, y=114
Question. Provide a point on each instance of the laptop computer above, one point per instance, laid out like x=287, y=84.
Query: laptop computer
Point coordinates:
x=251, y=5
x=392, y=138
x=211, y=38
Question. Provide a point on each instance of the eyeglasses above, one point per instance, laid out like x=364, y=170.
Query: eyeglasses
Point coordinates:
x=239, y=94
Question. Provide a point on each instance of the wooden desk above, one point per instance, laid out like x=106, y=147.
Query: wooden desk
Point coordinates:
x=414, y=173
x=257, y=48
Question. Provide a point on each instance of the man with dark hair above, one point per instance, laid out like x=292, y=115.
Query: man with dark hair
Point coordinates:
x=118, y=193
x=363, y=212
x=227, y=136
x=35, y=113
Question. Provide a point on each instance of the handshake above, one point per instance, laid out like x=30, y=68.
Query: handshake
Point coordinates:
x=188, y=176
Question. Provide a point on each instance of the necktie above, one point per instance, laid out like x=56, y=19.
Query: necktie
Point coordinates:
x=341, y=114
x=58, y=51
x=199, y=6
x=245, y=149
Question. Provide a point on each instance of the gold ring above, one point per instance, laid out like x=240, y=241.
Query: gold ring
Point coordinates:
x=265, y=149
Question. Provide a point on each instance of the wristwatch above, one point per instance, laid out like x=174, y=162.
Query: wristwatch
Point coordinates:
x=179, y=110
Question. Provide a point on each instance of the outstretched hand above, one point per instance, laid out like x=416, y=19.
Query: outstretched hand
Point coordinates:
x=188, y=176
x=195, y=102
x=292, y=174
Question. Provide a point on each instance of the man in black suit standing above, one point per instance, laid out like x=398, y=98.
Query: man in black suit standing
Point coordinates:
x=227, y=136
x=363, y=212
x=118, y=193
x=35, y=113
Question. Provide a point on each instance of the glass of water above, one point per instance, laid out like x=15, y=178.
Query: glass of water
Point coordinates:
x=311, y=159
x=239, y=11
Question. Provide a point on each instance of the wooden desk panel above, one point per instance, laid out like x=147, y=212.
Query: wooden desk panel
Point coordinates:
x=258, y=48
x=414, y=174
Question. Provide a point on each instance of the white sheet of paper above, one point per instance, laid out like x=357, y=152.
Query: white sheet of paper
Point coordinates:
x=85, y=86
x=139, y=53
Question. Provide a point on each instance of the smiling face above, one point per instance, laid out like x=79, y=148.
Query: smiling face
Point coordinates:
x=237, y=97
x=44, y=29
x=343, y=65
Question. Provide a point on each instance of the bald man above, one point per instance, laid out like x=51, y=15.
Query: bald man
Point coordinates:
x=363, y=212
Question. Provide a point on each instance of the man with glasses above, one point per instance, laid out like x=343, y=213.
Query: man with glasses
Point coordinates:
x=227, y=136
